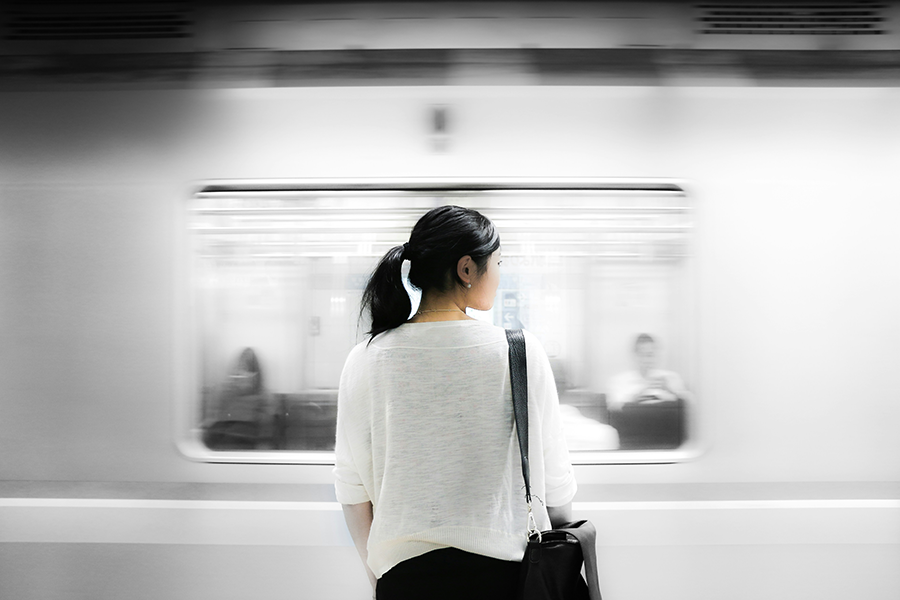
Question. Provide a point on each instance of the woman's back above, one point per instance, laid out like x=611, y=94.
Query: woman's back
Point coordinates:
x=425, y=431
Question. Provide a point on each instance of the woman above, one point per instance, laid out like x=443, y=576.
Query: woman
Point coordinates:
x=242, y=418
x=427, y=464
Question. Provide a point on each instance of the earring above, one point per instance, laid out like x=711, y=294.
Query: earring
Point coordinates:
x=468, y=285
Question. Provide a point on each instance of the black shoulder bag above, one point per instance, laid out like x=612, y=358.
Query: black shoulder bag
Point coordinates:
x=551, y=567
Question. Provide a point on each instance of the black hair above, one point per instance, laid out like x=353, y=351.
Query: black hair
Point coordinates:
x=644, y=338
x=439, y=239
x=248, y=362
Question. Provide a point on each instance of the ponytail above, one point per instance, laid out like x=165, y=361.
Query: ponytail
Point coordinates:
x=439, y=239
x=385, y=298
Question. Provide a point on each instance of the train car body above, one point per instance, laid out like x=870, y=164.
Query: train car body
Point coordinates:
x=791, y=486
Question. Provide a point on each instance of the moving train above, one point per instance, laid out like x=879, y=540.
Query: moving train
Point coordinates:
x=191, y=196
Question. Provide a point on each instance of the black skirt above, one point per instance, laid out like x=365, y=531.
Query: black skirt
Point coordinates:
x=450, y=573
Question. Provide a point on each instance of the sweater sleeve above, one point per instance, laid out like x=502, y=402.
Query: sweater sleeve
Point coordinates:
x=559, y=476
x=348, y=483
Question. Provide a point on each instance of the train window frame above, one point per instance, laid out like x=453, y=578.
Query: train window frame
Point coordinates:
x=187, y=379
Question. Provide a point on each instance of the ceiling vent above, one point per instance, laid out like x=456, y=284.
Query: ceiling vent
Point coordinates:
x=80, y=22
x=792, y=18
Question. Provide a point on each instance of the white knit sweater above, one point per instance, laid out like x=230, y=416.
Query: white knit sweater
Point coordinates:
x=425, y=432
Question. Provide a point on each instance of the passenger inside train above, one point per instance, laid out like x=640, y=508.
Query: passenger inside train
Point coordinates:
x=647, y=404
x=240, y=413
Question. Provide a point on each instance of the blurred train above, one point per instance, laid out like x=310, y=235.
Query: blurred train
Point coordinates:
x=191, y=196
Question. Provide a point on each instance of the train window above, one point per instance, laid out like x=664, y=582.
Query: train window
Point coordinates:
x=599, y=272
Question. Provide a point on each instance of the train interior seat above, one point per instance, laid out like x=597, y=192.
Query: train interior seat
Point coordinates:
x=306, y=421
x=650, y=426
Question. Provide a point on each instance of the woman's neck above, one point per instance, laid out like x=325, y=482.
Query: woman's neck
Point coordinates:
x=440, y=307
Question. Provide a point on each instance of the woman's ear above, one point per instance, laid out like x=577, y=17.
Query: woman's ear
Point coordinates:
x=465, y=269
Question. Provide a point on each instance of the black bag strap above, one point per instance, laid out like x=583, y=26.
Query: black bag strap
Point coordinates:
x=518, y=379
x=583, y=531
x=586, y=535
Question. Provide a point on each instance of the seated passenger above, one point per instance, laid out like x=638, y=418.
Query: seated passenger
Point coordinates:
x=646, y=384
x=241, y=416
